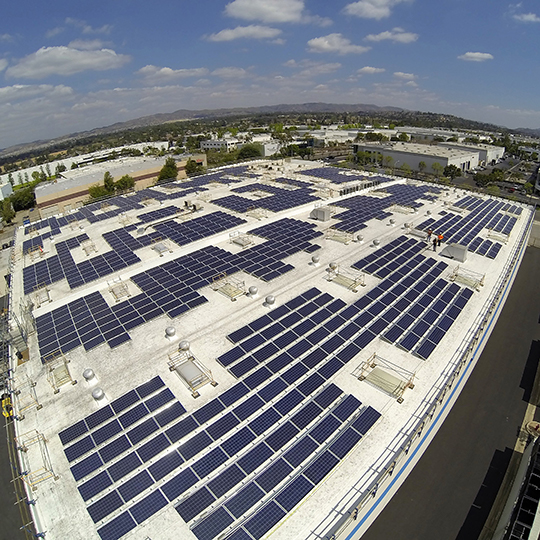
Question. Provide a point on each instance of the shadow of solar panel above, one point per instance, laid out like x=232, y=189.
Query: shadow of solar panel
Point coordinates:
x=117, y=527
x=105, y=506
x=263, y=521
x=242, y=501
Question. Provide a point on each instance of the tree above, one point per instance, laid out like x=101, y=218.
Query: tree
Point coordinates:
x=74, y=166
x=60, y=168
x=249, y=151
x=388, y=161
x=26, y=179
x=422, y=166
x=108, y=182
x=437, y=168
x=494, y=190
x=98, y=191
x=528, y=187
x=403, y=137
x=125, y=183
x=7, y=211
x=10, y=179
x=363, y=158
x=406, y=169
x=20, y=179
x=169, y=170
x=23, y=199
x=452, y=171
x=193, y=168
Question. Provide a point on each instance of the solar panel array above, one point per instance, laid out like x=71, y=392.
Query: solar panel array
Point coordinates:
x=464, y=230
x=281, y=199
x=337, y=176
x=139, y=454
x=362, y=208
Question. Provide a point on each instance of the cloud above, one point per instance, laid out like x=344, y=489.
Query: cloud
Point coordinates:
x=476, y=57
x=308, y=68
x=398, y=35
x=23, y=92
x=65, y=61
x=252, y=31
x=230, y=72
x=54, y=32
x=6, y=37
x=87, y=29
x=335, y=43
x=273, y=11
x=526, y=17
x=154, y=72
x=87, y=45
x=3, y=64
x=372, y=9
x=404, y=76
x=368, y=70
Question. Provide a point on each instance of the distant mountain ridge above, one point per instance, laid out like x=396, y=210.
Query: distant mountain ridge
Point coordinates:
x=434, y=119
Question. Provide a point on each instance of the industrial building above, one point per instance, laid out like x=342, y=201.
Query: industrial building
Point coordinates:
x=261, y=352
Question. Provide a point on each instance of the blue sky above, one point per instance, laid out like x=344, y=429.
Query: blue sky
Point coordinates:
x=70, y=66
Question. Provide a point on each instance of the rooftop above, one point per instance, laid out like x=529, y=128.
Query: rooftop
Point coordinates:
x=259, y=369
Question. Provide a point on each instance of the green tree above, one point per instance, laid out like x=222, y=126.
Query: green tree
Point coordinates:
x=108, y=182
x=494, y=190
x=10, y=179
x=98, y=191
x=125, y=183
x=193, y=168
x=406, y=169
x=528, y=187
x=23, y=199
x=60, y=168
x=452, y=171
x=249, y=151
x=169, y=170
x=7, y=211
x=26, y=179
x=437, y=168
x=362, y=158
x=388, y=161
x=403, y=137
x=35, y=176
x=74, y=166
x=422, y=166
x=20, y=179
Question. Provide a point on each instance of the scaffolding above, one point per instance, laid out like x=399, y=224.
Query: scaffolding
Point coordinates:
x=190, y=370
x=471, y=279
x=24, y=392
x=228, y=286
x=118, y=289
x=35, y=460
x=390, y=378
x=241, y=239
x=42, y=295
x=347, y=279
x=88, y=246
x=58, y=373
x=343, y=237
x=35, y=252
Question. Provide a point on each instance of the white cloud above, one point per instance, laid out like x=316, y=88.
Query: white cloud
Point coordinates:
x=372, y=9
x=87, y=45
x=154, y=72
x=253, y=31
x=315, y=69
x=273, y=11
x=368, y=70
x=87, y=29
x=476, y=57
x=335, y=43
x=398, y=35
x=65, y=61
x=526, y=17
x=54, y=32
x=3, y=64
x=23, y=92
x=404, y=76
x=229, y=72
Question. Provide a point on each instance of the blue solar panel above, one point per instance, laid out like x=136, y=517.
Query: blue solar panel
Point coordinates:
x=148, y=506
x=226, y=480
x=233, y=394
x=209, y=462
x=79, y=448
x=86, y=466
x=208, y=411
x=106, y=432
x=169, y=414
x=159, y=400
x=242, y=501
x=132, y=487
x=114, y=448
x=346, y=441
x=195, y=445
x=95, y=485
x=140, y=432
x=249, y=407
x=321, y=467
x=72, y=432
x=255, y=457
x=127, y=464
x=264, y=421
x=104, y=506
x=179, y=484
x=151, y=386
x=364, y=422
x=273, y=475
x=263, y=521
x=213, y=525
x=325, y=428
x=117, y=527
x=294, y=493
x=194, y=504
x=124, y=401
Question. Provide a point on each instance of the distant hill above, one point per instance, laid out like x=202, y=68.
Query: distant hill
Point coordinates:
x=529, y=131
x=403, y=116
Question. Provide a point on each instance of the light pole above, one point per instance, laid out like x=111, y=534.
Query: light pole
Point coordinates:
x=394, y=169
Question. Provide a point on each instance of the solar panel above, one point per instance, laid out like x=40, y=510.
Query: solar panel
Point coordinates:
x=127, y=464
x=248, y=407
x=125, y=401
x=148, y=506
x=226, y=480
x=242, y=501
x=179, y=484
x=294, y=493
x=195, y=445
x=117, y=527
x=208, y=411
x=95, y=485
x=263, y=521
x=321, y=467
x=114, y=448
x=213, y=525
x=79, y=448
x=194, y=504
x=86, y=466
x=255, y=457
x=104, y=506
x=72, y=432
